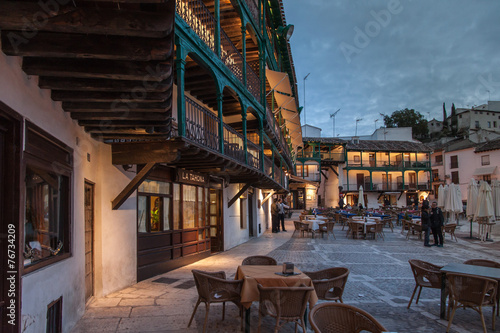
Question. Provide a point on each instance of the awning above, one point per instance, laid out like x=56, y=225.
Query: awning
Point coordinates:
x=279, y=81
x=485, y=171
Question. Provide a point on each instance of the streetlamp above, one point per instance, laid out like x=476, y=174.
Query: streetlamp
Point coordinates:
x=357, y=121
x=332, y=115
x=305, y=119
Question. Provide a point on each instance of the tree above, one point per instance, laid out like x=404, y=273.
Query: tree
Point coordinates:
x=453, y=120
x=445, y=116
x=408, y=118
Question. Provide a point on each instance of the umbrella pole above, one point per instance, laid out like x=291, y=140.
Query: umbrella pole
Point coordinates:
x=470, y=229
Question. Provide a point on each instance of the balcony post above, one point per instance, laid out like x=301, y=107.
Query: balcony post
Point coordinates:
x=244, y=49
x=272, y=161
x=217, y=28
x=261, y=143
x=387, y=181
x=347, y=176
x=262, y=67
x=371, y=181
x=245, y=142
x=180, y=66
x=221, y=121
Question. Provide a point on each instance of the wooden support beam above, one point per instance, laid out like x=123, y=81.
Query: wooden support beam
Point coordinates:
x=267, y=197
x=21, y=15
x=98, y=68
x=335, y=172
x=324, y=174
x=132, y=186
x=151, y=116
x=146, y=152
x=233, y=200
x=109, y=96
x=63, y=83
x=123, y=123
x=117, y=106
x=66, y=45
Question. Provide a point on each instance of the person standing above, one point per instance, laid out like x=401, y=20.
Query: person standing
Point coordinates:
x=275, y=216
x=437, y=222
x=426, y=226
x=281, y=215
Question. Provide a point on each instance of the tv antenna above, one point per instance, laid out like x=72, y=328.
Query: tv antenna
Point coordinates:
x=332, y=115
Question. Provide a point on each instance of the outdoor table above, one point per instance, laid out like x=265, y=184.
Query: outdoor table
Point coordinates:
x=488, y=272
x=321, y=218
x=365, y=224
x=310, y=217
x=265, y=275
x=379, y=215
x=314, y=224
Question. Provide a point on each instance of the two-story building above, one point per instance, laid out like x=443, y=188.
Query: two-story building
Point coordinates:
x=135, y=137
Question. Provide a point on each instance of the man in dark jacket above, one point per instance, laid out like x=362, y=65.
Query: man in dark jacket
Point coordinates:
x=437, y=221
x=274, y=215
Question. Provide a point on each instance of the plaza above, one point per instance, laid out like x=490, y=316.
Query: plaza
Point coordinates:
x=380, y=282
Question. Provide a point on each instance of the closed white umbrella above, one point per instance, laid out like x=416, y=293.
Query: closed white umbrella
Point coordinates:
x=484, y=208
x=361, y=199
x=453, y=201
x=441, y=196
x=472, y=193
x=495, y=193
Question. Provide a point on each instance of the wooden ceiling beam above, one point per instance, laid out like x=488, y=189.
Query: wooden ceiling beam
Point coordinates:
x=76, y=84
x=159, y=107
x=106, y=96
x=66, y=45
x=97, y=68
x=117, y=116
x=123, y=123
x=145, y=152
x=15, y=15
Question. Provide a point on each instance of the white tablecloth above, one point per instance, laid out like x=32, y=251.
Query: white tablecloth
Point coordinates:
x=314, y=224
x=365, y=224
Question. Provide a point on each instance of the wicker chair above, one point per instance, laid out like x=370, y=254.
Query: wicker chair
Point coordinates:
x=388, y=221
x=472, y=292
x=329, y=283
x=214, y=288
x=342, y=318
x=286, y=304
x=297, y=227
x=355, y=230
x=415, y=229
x=327, y=228
x=426, y=275
x=450, y=228
x=486, y=263
x=259, y=260
x=406, y=226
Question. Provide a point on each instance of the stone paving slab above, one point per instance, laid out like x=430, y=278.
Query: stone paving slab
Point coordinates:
x=380, y=282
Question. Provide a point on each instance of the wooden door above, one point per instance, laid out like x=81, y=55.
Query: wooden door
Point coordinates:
x=360, y=180
x=250, y=215
x=89, y=240
x=215, y=218
x=413, y=180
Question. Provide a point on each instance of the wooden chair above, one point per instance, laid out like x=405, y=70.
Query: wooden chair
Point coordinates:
x=379, y=230
x=342, y=318
x=473, y=292
x=286, y=304
x=259, y=260
x=406, y=227
x=214, y=288
x=329, y=283
x=415, y=229
x=327, y=228
x=450, y=228
x=426, y=275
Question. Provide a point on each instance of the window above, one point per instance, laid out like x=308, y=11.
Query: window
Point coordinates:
x=475, y=112
x=454, y=162
x=299, y=170
x=357, y=159
x=153, y=206
x=495, y=124
x=435, y=175
x=487, y=178
x=489, y=124
x=460, y=116
x=454, y=177
x=47, y=199
x=485, y=160
x=439, y=159
x=476, y=124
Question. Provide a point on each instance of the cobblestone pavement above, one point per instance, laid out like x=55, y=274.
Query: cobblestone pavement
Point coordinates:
x=380, y=282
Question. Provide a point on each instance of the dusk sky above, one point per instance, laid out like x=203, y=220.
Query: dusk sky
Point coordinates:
x=368, y=57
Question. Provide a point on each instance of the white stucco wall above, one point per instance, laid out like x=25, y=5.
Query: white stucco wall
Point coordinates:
x=115, y=244
x=233, y=233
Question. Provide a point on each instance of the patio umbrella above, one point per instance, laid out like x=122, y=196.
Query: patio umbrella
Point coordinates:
x=495, y=192
x=453, y=201
x=472, y=193
x=441, y=196
x=361, y=199
x=484, y=208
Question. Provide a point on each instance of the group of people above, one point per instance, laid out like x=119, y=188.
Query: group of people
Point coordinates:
x=278, y=215
x=432, y=220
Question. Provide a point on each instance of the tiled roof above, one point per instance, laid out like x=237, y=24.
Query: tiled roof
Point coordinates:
x=323, y=140
x=459, y=145
x=490, y=145
x=378, y=145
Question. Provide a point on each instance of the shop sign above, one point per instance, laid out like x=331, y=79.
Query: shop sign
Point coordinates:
x=193, y=178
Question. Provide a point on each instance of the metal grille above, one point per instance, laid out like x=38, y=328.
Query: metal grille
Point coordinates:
x=54, y=317
x=230, y=56
x=199, y=18
x=253, y=154
x=201, y=125
x=233, y=144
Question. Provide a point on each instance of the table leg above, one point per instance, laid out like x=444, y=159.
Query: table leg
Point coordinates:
x=305, y=318
x=442, y=313
x=247, y=320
